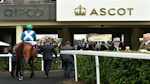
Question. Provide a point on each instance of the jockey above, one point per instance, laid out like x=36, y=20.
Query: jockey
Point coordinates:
x=29, y=35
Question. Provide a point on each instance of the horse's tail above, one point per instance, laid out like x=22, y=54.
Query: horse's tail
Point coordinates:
x=20, y=60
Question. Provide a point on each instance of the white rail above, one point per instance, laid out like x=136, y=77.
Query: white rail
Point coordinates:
x=103, y=53
x=8, y=55
x=10, y=60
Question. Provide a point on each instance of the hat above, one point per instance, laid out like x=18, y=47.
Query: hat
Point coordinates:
x=117, y=39
x=29, y=26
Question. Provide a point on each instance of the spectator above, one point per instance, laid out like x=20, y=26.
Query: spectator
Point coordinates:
x=47, y=50
x=97, y=46
x=79, y=46
x=13, y=62
x=92, y=45
x=5, y=51
x=86, y=46
x=67, y=60
x=116, y=45
x=146, y=44
x=103, y=46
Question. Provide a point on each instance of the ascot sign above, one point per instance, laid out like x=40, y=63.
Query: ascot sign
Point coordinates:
x=111, y=11
x=103, y=10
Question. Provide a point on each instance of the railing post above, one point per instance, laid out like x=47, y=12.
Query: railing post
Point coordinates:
x=42, y=63
x=97, y=70
x=75, y=65
x=10, y=65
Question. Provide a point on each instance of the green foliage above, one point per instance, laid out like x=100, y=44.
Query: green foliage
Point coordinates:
x=55, y=66
x=37, y=65
x=4, y=64
x=131, y=71
x=86, y=68
x=114, y=70
x=57, y=50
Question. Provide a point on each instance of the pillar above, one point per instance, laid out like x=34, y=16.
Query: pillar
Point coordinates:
x=135, y=35
x=60, y=35
x=19, y=30
x=127, y=39
x=66, y=35
x=71, y=38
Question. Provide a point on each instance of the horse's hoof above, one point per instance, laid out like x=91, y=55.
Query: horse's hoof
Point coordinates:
x=20, y=77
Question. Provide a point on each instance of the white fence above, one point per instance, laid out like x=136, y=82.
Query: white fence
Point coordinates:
x=10, y=60
x=102, y=53
x=91, y=53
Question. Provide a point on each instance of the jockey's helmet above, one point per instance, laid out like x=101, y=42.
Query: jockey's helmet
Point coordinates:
x=29, y=26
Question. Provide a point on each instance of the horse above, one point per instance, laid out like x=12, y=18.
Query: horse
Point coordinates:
x=25, y=54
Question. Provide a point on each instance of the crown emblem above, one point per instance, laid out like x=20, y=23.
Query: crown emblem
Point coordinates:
x=80, y=11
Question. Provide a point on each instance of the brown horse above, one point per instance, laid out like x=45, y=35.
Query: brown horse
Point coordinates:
x=25, y=53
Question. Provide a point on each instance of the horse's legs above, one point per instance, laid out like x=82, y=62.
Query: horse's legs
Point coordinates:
x=21, y=74
x=21, y=71
x=31, y=65
x=17, y=70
